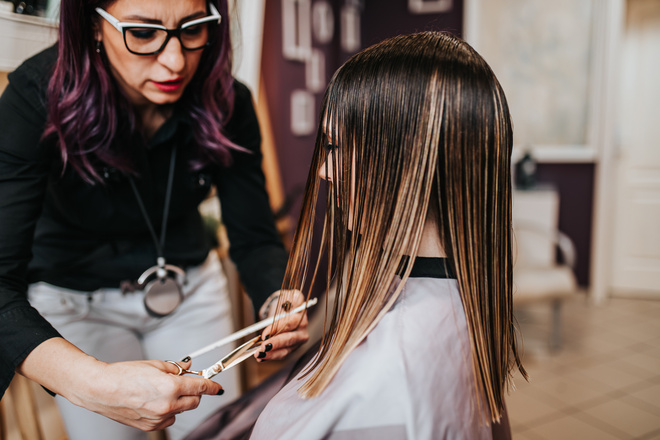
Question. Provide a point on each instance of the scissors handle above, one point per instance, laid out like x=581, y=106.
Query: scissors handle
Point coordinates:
x=183, y=371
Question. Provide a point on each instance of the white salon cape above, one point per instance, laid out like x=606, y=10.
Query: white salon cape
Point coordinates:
x=411, y=378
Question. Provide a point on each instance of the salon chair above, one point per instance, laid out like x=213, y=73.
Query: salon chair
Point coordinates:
x=544, y=256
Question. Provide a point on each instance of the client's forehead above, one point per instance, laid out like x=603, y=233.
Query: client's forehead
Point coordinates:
x=329, y=129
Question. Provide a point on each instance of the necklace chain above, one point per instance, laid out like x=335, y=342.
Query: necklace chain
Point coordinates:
x=159, y=244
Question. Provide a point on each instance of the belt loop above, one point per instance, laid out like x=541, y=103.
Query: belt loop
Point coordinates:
x=128, y=286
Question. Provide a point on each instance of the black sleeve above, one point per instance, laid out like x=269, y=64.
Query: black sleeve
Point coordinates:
x=24, y=169
x=255, y=245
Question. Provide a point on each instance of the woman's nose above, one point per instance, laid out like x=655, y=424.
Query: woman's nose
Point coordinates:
x=172, y=55
x=325, y=172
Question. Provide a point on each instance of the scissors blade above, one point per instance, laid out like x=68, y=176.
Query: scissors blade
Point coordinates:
x=249, y=330
x=234, y=358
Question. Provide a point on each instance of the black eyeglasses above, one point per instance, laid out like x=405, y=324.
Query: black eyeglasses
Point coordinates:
x=150, y=39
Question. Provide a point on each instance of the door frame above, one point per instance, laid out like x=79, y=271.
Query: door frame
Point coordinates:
x=610, y=29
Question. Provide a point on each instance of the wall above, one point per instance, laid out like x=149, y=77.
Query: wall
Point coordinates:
x=22, y=36
x=575, y=184
x=388, y=18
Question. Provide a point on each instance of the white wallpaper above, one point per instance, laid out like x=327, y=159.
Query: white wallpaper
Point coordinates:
x=541, y=52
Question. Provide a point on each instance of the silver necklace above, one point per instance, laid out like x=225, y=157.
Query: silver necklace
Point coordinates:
x=163, y=283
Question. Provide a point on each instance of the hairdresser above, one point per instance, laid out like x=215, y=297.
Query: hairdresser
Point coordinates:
x=110, y=140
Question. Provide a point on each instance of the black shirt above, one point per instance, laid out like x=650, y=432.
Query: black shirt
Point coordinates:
x=56, y=228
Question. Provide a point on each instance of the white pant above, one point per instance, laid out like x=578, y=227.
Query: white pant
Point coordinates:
x=112, y=327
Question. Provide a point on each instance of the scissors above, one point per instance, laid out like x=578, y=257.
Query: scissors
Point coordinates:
x=234, y=358
x=241, y=353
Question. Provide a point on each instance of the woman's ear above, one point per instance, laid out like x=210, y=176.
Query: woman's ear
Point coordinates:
x=97, y=28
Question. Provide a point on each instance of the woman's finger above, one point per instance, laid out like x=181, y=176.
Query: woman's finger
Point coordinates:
x=196, y=387
x=157, y=426
x=170, y=367
x=185, y=403
x=287, y=324
x=287, y=301
x=279, y=346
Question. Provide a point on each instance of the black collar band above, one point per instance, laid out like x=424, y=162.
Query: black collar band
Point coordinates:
x=428, y=267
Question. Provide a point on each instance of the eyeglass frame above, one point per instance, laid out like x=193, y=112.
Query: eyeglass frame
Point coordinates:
x=122, y=27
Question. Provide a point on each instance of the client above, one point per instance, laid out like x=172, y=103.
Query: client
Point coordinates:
x=415, y=144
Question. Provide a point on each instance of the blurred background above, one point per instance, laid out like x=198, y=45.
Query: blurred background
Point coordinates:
x=581, y=78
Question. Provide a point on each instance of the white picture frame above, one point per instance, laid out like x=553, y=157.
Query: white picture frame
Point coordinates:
x=429, y=6
x=296, y=29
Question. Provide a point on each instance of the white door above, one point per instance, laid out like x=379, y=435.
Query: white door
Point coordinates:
x=636, y=246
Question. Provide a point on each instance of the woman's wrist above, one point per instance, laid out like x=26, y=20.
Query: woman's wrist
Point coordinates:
x=60, y=367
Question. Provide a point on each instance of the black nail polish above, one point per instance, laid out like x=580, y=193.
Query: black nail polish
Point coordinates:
x=268, y=347
x=220, y=393
x=261, y=355
x=186, y=359
x=267, y=337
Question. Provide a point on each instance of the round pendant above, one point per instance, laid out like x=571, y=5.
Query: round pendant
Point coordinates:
x=162, y=296
x=163, y=291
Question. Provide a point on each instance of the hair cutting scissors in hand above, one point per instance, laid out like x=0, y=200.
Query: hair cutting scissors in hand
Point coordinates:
x=235, y=357
x=241, y=353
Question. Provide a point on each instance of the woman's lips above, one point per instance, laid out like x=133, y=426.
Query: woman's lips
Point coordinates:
x=169, y=86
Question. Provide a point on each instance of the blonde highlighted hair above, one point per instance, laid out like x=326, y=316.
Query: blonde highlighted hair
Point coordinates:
x=421, y=127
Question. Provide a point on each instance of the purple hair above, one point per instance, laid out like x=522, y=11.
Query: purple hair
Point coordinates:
x=84, y=102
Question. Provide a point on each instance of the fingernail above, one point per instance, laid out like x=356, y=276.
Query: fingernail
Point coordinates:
x=261, y=355
x=267, y=337
x=286, y=306
x=220, y=393
x=268, y=347
x=186, y=359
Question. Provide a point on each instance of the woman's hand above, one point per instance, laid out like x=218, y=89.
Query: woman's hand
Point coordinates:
x=144, y=394
x=291, y=331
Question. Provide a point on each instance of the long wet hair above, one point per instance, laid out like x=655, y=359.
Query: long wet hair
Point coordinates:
x=421, y=126
x=86, y=108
